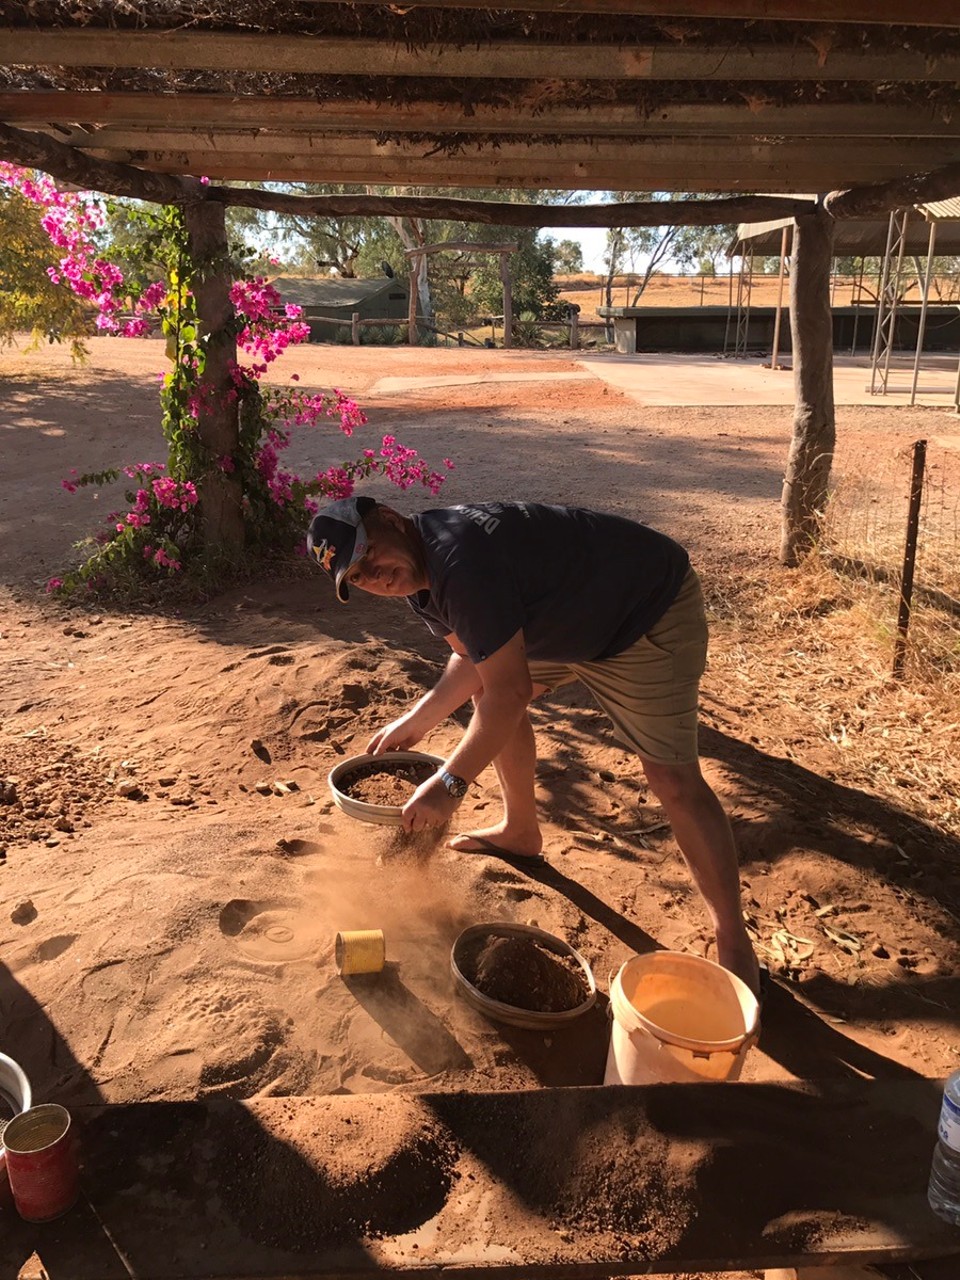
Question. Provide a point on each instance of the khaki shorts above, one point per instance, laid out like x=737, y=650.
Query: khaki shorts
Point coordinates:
x=651, y=690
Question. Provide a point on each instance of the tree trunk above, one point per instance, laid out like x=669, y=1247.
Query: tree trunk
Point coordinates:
x=614, y=249
x=412, y=301
x=814, y=428
x=218, y=423
x=412, y=237
x=666, y=240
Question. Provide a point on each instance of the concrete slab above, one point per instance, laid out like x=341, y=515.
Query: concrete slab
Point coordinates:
x=385, y=386
x=685, y=379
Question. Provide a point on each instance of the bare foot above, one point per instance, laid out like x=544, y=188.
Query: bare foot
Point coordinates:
x=497, y=838
x=741, y=960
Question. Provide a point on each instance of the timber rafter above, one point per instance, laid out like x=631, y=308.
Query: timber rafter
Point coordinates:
x=295, y=117
x=71, y=165
x=337, y=56
x=644, y=95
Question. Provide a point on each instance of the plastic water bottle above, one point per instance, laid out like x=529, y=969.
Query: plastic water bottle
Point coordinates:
x=944, y=1189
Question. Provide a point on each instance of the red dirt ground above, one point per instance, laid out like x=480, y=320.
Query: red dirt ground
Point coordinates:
x=177, y=940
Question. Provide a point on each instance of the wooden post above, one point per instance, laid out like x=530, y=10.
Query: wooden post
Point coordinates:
x=814, y=426
x=412, y=302
x=355, y=328
x=218, y=422
x=507, y=301
x=574, y=330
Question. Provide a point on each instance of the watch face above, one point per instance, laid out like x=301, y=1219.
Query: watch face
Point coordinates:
x=456, y=786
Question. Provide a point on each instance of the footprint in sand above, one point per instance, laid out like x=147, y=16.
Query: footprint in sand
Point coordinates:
x=269, y=932
x=53, y=948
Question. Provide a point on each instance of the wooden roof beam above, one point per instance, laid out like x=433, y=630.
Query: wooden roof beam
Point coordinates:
x=644, y=213
x=898, y=193
x=932, y=13
x=71, y=165
x=155, y=111
x=661, y=174
x=320, y=55
x=693, y=156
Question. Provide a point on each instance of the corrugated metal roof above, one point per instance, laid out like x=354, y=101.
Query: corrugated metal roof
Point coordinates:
x=941, y=209
x=855, y=237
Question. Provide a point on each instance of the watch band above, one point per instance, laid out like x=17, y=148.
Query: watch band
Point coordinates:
x=457, y=787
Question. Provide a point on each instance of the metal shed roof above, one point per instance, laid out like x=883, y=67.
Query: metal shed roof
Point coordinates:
x=856, y=237
x=941, y=210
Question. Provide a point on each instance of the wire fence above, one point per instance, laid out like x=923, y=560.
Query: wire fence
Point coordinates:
x=867, y=536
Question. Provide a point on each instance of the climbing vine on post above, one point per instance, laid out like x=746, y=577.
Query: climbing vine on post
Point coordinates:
x=222, y=493
x=219, y=384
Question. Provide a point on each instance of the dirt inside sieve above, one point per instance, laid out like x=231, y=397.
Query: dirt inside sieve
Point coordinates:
x=524, y=973
x=381, y=782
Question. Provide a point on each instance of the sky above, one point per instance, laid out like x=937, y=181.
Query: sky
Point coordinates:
x=592, y=240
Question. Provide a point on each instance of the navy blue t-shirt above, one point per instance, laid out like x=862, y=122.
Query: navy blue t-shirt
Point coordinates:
x=581, y=585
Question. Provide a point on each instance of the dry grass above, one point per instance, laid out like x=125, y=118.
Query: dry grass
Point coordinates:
x=823, y=642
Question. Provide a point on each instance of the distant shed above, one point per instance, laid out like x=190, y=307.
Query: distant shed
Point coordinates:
x=859, y=237
x=385, y=298
x=895, y=323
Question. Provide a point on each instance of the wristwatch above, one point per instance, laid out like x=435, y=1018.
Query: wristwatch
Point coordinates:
x=457, y=787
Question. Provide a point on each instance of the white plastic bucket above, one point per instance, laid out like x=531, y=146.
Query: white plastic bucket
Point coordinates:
x=17, y=1095
x=678, y=1018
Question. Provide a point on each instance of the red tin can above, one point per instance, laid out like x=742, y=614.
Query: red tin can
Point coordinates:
x=42, y=1162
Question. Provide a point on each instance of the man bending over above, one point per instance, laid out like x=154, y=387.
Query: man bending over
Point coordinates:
x=530, y=597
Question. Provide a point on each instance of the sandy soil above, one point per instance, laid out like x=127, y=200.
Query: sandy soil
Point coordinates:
x=169, y=913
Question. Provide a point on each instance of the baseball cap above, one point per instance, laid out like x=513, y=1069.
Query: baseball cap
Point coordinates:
x=337, y=538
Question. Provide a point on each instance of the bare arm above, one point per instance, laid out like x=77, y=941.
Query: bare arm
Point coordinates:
x=459, y=682
x=499, y=706
x=502, y=701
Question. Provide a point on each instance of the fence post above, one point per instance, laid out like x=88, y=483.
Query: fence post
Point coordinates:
x=909, y=555
x=575, y=330
x=355, y=328
x=507, y=301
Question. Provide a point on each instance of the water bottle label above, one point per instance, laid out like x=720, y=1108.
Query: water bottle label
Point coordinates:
x=948, y=1130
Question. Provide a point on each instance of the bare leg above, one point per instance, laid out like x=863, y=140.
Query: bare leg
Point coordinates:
x=519, y=831
x=704, y=835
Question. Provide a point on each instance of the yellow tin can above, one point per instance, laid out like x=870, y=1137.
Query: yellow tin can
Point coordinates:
x=360, y=951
